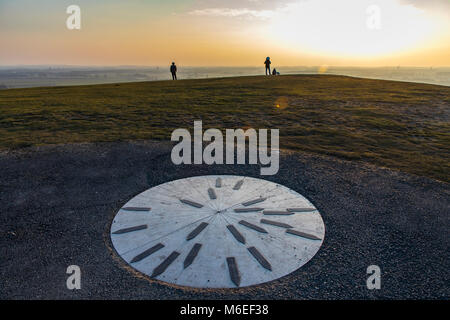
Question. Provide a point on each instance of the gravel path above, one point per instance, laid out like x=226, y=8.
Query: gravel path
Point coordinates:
x=57, y=203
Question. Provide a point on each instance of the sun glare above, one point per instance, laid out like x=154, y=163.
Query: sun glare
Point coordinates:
x=341, y=27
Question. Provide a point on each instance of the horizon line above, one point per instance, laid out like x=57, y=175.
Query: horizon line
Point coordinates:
x=214, y=66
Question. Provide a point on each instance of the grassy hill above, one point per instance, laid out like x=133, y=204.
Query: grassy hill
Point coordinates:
x=399, y=125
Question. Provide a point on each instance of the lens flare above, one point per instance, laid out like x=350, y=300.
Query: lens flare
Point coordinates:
x=281, y=103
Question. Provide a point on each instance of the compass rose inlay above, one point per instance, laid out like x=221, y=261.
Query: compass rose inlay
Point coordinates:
x=217, y=231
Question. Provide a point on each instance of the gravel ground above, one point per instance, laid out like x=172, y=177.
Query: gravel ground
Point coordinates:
x=57, y=204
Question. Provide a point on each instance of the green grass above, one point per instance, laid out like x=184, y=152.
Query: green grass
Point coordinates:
x=399, y=125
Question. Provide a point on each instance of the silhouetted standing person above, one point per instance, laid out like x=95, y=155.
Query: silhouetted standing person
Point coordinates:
x=173, y=70
x=267, y=63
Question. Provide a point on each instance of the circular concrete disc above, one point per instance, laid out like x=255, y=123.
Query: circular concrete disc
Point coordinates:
x=217, y=231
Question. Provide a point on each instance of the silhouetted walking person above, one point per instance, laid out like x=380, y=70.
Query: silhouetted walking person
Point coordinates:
x=267, y=63
x=173, y=70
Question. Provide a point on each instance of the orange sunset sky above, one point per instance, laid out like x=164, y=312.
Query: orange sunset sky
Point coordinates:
x=227, y=33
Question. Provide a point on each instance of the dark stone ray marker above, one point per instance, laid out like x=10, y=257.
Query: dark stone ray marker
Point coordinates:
x=192, y=203
x=212, y=194
x=252, y=226
x=260, y=258
x=237, y=235
x=234, y=271
x=131, y=229
x=147, y=252
x=303, y=234
x=248, y=209
x=276, y=223
x=277, y=213
x=238, y=185
x=196, y=231
x=136, y=209
x=249, y=203
x=301, y=209
x=192, y=255
x=218, y=182
x=165, y=264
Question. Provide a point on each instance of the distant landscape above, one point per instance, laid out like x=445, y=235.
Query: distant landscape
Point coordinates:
x=43, y=76
x=399, y=125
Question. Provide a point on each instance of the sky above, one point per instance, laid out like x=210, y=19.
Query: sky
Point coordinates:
x=227, y=33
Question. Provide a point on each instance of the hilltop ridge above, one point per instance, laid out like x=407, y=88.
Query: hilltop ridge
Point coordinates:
x=399, y=125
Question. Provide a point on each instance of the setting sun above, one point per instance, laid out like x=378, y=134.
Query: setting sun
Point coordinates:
x=329, y=27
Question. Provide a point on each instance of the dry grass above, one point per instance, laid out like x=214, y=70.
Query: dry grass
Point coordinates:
x=399, y=125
